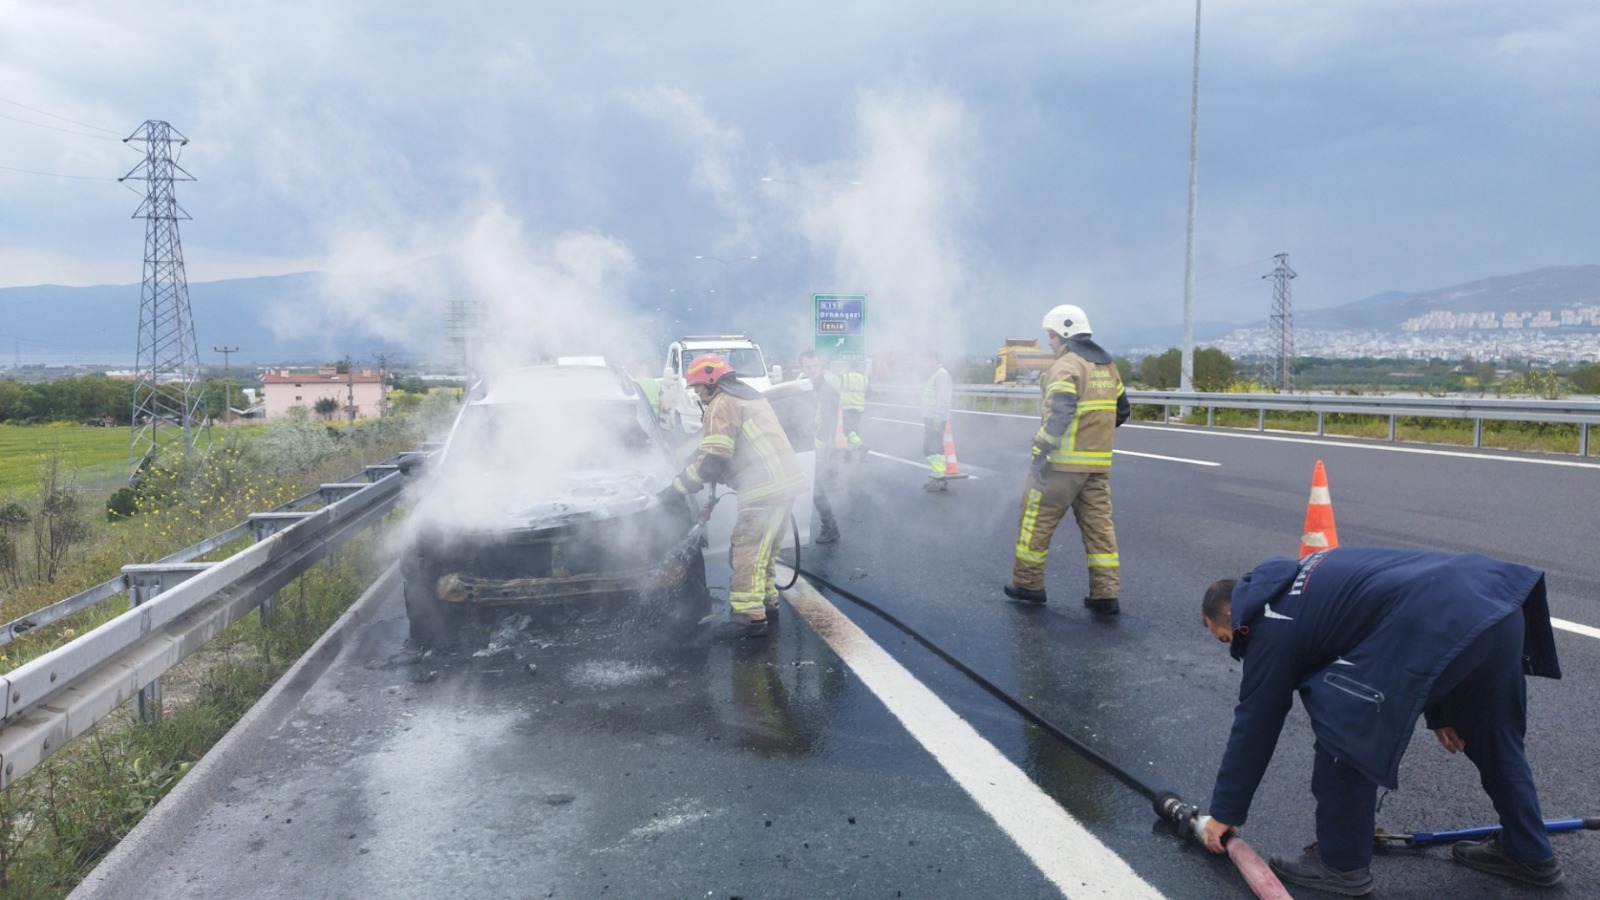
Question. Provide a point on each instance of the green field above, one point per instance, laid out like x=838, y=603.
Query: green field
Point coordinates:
x=98, y=457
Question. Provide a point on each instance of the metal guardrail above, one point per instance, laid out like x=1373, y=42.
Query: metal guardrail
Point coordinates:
x=177, y=605
x=1584, y=413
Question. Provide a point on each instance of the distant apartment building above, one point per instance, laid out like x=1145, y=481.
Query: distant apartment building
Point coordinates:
x=285, y=389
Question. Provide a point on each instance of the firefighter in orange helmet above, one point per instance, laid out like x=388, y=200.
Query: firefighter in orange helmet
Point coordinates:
x=743, y=446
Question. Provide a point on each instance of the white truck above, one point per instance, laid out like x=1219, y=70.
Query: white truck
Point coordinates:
x=680, y=410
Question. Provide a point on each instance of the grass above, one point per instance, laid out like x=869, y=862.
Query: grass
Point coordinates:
x=60, y=820
x=97, y=456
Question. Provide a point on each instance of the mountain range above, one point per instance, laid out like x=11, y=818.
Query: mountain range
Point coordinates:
x=56, y=325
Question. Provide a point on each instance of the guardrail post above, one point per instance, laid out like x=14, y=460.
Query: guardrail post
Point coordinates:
x=1261, y=419
x=1477, y=433
x=1583, y=439
x=142, y=588
x=145, y=583
x=1392, y=420
x=1211, y=416
x=263, y=526
x=1320, y=416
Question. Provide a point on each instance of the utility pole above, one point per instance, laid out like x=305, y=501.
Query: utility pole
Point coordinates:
x=1281, y=368
x=383, y=388
x=350, y=392
x=167, y=360
x=227, y=381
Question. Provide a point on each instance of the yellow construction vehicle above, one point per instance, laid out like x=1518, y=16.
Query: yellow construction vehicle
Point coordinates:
x=1021, y=362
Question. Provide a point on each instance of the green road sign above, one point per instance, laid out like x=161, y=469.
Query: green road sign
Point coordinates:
x=841, y=325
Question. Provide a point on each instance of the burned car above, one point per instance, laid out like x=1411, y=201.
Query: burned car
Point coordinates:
x=545, y=499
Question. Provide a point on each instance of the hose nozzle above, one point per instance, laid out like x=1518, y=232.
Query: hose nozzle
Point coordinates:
x=1186, y=817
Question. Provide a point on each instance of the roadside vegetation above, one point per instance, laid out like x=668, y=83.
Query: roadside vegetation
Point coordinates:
x=58, y=538
x=1215, y=371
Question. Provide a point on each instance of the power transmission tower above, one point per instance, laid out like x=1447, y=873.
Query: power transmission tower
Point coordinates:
x=463, y=334
x=1280, y=368
x=165, y=398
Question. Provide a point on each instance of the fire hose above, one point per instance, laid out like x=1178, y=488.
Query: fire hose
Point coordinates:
x=1168, y=806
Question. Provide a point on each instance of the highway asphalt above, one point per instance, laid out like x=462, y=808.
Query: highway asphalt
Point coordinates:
x=624, y=764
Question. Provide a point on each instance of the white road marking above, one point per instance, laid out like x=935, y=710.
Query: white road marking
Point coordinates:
x=923, y=465
x=1575, y=628
x=1067, y=854
x=1177, y=459
x=1360, y=444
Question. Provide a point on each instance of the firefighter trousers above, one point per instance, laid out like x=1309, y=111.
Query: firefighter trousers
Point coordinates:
x=1088, y=495
x=757, y=534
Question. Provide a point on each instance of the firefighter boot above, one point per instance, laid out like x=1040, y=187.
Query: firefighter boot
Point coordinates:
x=1102, y=606
x=829, y=533
x=1023, y=594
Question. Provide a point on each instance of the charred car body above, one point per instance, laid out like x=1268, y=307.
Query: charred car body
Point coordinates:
x=544, y=499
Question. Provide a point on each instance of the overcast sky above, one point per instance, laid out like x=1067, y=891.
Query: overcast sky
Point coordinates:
x=959, y=162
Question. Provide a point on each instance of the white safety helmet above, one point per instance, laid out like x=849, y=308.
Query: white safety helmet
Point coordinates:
x=1066, y=320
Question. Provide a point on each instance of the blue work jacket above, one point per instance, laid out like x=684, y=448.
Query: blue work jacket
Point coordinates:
x=1361, y=633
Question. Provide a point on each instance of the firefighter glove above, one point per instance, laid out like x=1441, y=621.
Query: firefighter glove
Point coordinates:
x=1041, y=462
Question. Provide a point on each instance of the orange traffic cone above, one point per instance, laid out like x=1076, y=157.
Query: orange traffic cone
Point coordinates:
x=952, y=469
x=1320, y=533
x=839, y=442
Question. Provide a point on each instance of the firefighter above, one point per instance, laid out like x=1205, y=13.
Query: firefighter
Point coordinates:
x=1071, y=469
x=853, y=404
x=744, y=447
x=825, y=422
x=936, y=396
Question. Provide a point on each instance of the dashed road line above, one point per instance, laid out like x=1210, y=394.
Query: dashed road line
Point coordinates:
x=1065, y=852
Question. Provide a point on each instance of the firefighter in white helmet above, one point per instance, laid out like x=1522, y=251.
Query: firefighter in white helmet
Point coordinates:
x=744, y=446
x=1083, y=405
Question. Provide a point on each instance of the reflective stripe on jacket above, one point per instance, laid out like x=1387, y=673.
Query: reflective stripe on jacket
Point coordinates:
x=936, y=396
x=1088, y=394
x=741, y=428
x=854, y=395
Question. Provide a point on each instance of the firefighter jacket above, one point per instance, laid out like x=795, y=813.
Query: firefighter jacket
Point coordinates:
x=1362, y=633
x=743, y=446
x=1083, y=405
x=825, y=418
x=936, y=395
x=853, y=397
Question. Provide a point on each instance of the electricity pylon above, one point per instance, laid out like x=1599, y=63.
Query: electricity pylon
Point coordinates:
x=166, y=404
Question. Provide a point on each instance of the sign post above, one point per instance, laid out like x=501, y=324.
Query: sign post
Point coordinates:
x=841, y=326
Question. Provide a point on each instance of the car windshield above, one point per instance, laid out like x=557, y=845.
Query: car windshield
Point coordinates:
x=556, y=437
x=746, y=361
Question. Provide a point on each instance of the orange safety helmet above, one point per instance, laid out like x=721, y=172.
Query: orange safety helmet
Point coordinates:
x=707, y=369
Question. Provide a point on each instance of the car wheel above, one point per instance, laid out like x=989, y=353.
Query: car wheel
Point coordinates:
x=434, y=623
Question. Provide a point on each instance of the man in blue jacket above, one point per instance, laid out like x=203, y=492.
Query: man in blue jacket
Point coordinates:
x=1371, y=638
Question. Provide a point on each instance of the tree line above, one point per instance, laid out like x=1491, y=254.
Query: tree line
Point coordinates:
x=94, y=398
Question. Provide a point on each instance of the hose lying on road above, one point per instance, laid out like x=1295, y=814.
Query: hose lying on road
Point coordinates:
x=1167, y=805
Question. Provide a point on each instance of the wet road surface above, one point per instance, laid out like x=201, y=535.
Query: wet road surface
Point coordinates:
x=621, y=766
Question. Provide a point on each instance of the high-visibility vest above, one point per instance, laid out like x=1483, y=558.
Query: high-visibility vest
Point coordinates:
x=854, y=395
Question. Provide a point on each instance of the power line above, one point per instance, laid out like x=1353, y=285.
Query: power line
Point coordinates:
x=62, y=130
x=52, y=115
x=59, y=175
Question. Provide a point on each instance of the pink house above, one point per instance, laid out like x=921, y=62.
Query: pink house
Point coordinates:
x=284, y=389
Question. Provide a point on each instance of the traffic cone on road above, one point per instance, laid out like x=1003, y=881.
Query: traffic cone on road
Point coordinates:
x=952, y=469
x=839, y=441
x=1319, y=533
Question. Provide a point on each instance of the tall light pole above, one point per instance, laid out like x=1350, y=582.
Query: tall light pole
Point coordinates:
x=1186, y=371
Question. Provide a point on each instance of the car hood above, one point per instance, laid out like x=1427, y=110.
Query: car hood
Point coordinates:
x=575, y=497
